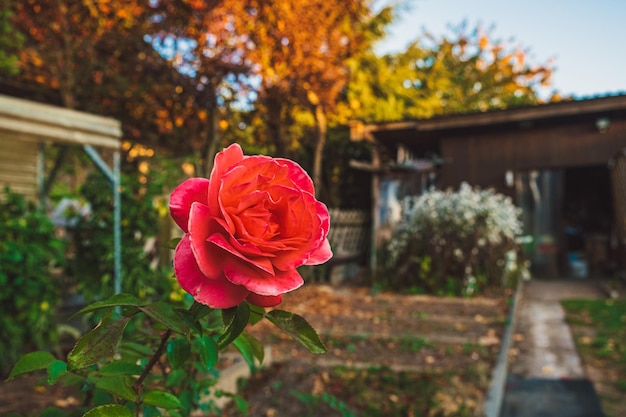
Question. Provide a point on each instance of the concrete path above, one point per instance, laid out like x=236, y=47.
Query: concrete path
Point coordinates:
x=547, y=377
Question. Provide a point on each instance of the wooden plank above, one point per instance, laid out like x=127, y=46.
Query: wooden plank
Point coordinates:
x=36, y=121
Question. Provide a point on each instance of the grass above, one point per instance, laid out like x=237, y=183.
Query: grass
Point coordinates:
x=599, y=327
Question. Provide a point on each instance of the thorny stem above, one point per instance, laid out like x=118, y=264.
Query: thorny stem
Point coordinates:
x=153, y=361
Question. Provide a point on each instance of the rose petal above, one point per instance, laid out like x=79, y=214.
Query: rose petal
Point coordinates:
x=216, y=293
x=224, y=160
x=264, y=300
x=208, y=256
x=262, y=263
x=321, y=255
x=298, y=175
x=260, y=282
x=189, y=191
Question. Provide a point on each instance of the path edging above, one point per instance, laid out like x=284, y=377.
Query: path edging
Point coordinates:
x=495, y=394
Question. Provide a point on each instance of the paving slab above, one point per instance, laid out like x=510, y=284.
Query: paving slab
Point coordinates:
x=547, y=377
x=542, y=397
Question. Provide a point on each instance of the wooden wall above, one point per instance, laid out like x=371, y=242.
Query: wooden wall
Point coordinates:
x=481, y=157
x=19, y=165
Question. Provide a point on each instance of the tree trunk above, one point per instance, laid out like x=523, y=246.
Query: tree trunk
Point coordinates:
x=275, y=126
x=320, y=143
x=211, y=137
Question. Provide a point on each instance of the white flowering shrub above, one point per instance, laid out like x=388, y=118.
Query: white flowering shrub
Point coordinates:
x=453, y=242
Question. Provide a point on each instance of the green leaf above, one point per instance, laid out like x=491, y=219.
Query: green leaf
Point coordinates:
x=199, y=311
x=235, y=320
x=209, y=351
x=136, y=348
x=298, y=328
x=68, y=379
x=109, y=410
x=257, y=313
x=194, y=325
x=52, y=412
x=121, y=368
x=118, y=386
x=122, y=300
x=162, y=399
x=172, y=243
x=98, y=344
x=250, y=348
x=176, y=378
x=34, y=361
x=56, y=369
x=178, y=351
x=165, y=314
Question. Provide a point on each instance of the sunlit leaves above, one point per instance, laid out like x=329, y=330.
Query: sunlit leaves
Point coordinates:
x=99, y=343
x=298, y=328
x=30, y=362
x=109, y=410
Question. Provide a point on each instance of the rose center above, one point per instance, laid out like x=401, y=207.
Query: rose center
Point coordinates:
x=259, y=222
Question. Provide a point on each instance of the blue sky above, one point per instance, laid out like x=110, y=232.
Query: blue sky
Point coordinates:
x=587, y=39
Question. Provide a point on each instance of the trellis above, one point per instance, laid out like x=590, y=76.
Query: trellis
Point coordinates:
x=349, y=237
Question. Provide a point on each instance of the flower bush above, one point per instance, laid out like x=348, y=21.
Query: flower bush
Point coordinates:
x=29, y=291
x=247, y=229
x=453, y=242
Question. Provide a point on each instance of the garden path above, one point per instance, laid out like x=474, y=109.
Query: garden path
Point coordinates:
x=546, y=375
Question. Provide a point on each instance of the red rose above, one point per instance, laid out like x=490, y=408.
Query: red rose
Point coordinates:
x=247, y=229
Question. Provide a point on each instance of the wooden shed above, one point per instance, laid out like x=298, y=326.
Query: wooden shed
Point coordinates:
x=26, y=125
x=552, y=159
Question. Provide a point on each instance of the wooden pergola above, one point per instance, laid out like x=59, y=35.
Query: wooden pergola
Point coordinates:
x=25, y=126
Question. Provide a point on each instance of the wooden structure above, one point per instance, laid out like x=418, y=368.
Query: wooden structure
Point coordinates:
x=558, y=148
x=26, y=125
x=348, y=236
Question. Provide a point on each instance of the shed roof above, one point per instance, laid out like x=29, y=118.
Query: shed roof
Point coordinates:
x=32, y=121
x=572, y=108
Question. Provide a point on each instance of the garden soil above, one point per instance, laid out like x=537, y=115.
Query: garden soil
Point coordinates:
x=442, y=348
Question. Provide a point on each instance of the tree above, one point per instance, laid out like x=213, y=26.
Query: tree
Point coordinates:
x=302, y=49
x=462, y=73
x=96, y=57
x=200, y=41
x=10, y=39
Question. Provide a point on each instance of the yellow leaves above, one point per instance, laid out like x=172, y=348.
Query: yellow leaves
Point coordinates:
x=188, y=168
x=483, y=42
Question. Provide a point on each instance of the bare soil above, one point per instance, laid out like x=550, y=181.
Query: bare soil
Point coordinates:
x=394, y=354
x=419, y=355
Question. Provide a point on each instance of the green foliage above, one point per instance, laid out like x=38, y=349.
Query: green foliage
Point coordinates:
x=91, y=269
x=29, y=290
x=599, y=330
x=466, y=71
x=159, y=359
x=313, y=401
x=454, y=243
x=9, y=39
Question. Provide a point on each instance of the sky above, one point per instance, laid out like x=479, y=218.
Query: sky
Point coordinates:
x=587, y=39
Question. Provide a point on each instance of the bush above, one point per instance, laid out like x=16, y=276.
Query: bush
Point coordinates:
x=29, y=292
x=91, y=266
x=454, y=243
